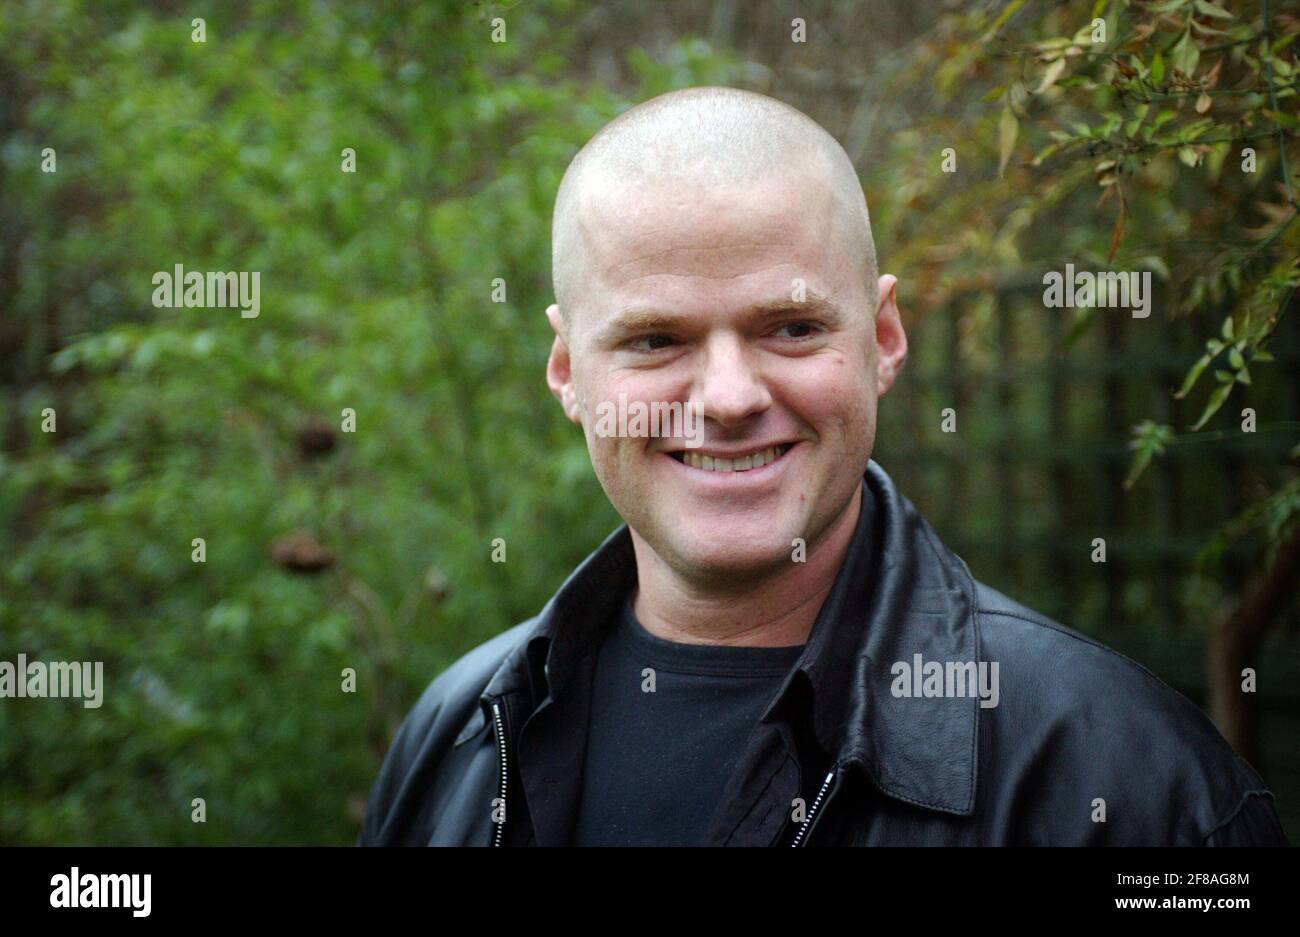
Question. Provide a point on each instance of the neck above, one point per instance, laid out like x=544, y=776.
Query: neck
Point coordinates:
x=776, y=608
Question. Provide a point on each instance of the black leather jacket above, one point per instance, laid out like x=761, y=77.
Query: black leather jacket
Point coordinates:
x=1083, y=746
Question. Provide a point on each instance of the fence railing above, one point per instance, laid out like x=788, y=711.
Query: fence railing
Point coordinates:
x=1034, y=472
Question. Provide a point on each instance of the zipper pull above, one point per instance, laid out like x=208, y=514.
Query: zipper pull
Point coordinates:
x=499, y=721
x=812, y=811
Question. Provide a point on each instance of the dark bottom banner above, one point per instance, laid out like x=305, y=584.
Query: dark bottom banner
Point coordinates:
x=140, y=887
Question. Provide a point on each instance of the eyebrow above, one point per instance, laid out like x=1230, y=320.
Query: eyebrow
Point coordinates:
x=638, y=320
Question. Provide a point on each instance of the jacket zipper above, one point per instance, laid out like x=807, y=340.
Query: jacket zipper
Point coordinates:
x=812, y=811
x=499, y=720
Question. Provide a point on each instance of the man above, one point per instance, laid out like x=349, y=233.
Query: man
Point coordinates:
x=776, y=649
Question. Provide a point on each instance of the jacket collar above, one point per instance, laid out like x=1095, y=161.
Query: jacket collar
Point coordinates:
x=899, y=593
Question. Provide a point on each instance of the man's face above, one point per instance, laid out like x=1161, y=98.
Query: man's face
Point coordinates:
x=744, y=301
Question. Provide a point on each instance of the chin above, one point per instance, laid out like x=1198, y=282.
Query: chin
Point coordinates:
x=724, y=555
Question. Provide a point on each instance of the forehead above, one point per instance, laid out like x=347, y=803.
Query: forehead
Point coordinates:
x=707, y=244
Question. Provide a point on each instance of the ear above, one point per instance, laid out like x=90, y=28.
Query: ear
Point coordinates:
x=559, y=373
x=891, y=343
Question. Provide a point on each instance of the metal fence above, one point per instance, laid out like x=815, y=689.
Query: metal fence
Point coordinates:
x=1034, y=474
x=1034, y=471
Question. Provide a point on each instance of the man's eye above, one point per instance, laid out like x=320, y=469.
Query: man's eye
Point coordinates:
x=651, y=343
x=797, y=329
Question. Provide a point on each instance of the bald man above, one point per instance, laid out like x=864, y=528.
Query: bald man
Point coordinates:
x=775, y=649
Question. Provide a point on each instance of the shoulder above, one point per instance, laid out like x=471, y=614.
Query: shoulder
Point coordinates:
x=1091, y=724
x=469, y=674
x=454, y=693
x=1053, y=670
x=446, y=711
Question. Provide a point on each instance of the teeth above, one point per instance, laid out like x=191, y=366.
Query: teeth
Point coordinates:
x=742, y=464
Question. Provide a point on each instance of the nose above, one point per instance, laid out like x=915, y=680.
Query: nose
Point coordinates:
x=729, y=386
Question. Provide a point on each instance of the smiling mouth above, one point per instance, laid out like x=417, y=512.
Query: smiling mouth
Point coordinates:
x=743, y=463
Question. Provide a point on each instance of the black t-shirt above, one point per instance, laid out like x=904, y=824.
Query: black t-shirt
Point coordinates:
x=657, y=761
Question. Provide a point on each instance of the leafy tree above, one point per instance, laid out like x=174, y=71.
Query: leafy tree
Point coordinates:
x=326, y=549
x=1166, y=133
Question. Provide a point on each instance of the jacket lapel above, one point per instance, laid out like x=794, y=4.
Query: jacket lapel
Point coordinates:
x=901, y=593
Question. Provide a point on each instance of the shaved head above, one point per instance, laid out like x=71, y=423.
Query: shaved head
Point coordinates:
x=693, y=141
x=712, y=249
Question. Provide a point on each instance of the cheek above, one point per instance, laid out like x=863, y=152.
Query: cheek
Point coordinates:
x=605, y=387
x=611, y=456
x=835, y=393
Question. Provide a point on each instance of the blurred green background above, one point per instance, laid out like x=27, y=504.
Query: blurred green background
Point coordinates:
x=371, y=549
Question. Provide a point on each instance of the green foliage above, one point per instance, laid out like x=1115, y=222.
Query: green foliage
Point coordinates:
x=224, y=678
x=1149, y=440
x=1168, y=140
x=1125, y=81
x=1274, y=517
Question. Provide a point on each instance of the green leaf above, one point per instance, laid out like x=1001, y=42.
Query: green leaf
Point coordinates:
x=1006, y=14
x=1226, y=331
x=1235, y=360
x=1154, y=263
x=1141, y=459
x=1008, y=128
x=1193, y=375
x=1157, y=69
x=1209, y=9
x=1206, y=30
x=1185, y=54
x=1191, y=131
x=1219, y=395
x=1045, y=152
x=1218, y=153
x=1285, y=121
x=1149, y=439
x=1050, y=74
